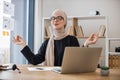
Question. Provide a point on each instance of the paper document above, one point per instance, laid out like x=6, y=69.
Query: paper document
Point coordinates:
x=40, y=68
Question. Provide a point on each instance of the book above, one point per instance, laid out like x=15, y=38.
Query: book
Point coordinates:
x=79, y=31
x=71, y=31
x=102, y=30
x=47, y=31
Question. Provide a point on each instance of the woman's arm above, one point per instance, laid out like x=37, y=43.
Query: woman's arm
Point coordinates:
x=35, y=58
x=29, y=55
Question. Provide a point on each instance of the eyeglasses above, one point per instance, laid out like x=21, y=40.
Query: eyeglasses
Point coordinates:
x=58, y=18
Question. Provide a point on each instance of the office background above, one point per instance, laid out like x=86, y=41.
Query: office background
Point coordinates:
x=44, y=8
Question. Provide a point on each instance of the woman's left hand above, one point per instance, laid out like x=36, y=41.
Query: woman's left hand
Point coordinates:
x=91, y=40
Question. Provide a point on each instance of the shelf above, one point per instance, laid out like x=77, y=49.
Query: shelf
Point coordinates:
x=45, y=37
x=87, y=17
x=81, y=17
x=88, y=37
x=114, y=53
x=113, y=56
x=113, y=39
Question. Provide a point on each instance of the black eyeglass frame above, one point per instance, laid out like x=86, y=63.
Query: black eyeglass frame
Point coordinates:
x=58, y=18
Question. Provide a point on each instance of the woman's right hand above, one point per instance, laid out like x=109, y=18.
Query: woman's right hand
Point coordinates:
x=19, y=41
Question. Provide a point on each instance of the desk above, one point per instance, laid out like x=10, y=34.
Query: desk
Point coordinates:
x=49, y=75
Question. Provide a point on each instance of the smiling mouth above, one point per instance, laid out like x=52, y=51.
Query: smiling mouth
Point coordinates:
x=56, y=24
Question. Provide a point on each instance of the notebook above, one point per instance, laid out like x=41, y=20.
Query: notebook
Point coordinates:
x=79, y=60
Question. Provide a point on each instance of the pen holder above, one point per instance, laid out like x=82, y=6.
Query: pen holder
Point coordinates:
x=105, y=71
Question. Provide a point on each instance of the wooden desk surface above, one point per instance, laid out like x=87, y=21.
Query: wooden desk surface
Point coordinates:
x=49, y=75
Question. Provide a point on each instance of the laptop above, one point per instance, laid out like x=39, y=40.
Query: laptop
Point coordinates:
x=79, y=60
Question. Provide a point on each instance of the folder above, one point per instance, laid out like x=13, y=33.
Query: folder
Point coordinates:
x=71, y=31
x=47, y=31
x=101, y=31
x=79, y=31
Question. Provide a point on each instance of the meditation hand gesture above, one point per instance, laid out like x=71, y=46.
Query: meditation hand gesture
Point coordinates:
x=19, y=41
x=91, y=40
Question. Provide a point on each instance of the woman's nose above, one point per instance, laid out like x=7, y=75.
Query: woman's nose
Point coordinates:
x=56, y=20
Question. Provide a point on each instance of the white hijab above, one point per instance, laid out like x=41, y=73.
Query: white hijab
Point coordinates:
x=57, y=35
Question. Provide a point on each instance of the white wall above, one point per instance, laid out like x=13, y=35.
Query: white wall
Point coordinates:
x=108, y=8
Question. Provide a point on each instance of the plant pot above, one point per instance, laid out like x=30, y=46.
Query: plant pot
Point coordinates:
x=105, y=72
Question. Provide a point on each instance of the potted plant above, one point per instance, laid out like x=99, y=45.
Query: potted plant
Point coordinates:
x=105, y=71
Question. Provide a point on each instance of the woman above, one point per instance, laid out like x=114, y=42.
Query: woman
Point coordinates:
x=52, y=50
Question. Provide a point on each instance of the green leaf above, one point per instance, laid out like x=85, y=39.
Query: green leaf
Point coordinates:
x=104, y=68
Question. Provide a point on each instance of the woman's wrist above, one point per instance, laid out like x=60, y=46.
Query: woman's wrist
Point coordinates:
x=23, y=44
x=85, y=45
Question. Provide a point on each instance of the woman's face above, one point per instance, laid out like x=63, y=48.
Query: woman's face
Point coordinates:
x=57, y=22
